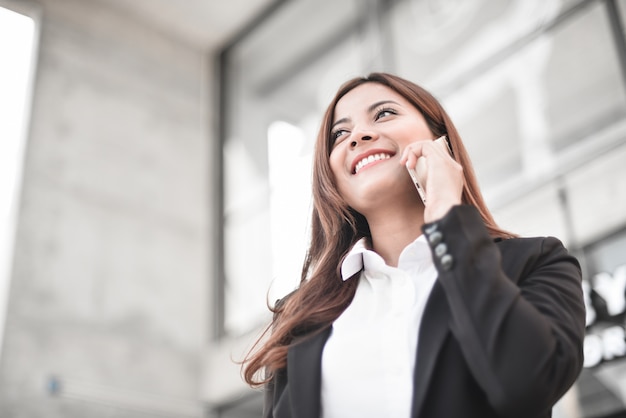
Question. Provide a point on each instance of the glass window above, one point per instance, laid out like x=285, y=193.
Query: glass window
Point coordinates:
x=602, y=384
x=607, y=255
x=582, y=79
x=521, y=85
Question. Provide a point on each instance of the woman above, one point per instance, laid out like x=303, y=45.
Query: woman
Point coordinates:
x=412, y=309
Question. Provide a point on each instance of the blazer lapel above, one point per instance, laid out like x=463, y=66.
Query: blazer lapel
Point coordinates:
x=432, y=333
x=304, y=374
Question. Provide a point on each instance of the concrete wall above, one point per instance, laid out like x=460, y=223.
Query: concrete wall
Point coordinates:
x=110, y=289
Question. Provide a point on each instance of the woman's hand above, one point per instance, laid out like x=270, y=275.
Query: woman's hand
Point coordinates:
x=444, y=176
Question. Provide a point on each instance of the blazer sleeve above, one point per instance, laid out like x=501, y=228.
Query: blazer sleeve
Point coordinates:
x=517, y=311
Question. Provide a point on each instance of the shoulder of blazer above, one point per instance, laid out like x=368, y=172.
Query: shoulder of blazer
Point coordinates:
x=520, y=255
x=537, y=246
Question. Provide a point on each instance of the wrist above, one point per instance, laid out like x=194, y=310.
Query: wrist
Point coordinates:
x=438, y=210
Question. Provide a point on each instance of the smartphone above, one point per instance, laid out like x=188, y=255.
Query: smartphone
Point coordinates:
x=418, y=174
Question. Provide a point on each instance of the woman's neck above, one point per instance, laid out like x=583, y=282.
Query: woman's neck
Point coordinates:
x=393, y=229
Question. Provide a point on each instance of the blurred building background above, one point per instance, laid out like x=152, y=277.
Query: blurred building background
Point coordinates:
x=156, y=160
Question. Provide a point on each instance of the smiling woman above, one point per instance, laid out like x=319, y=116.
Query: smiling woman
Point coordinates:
x=17, y=38
x=408, y=308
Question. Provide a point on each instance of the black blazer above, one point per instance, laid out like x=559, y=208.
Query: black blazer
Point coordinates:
x=501, y=336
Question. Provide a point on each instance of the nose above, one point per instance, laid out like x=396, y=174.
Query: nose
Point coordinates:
x=369, y=136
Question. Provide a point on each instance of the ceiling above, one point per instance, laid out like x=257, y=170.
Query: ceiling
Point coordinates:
x=207, y=24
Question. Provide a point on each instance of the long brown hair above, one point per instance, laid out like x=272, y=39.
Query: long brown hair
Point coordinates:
x=322, y=295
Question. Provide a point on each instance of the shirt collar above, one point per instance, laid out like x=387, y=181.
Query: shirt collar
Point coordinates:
x=353, y=262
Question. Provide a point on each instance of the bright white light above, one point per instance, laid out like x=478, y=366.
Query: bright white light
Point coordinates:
x=17, y=34
x=290, y=203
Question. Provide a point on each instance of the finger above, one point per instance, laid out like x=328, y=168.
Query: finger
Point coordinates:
x=411, y=161
x=411, y=153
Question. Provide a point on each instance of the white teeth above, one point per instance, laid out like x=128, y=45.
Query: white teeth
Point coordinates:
x=370, y=159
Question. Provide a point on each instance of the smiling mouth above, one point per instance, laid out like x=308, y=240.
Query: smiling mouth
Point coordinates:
x=370, y=159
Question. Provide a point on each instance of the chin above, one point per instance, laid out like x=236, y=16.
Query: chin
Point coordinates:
x=371, y=195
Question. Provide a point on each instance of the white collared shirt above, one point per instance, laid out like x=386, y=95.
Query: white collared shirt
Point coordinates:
x=369, y=358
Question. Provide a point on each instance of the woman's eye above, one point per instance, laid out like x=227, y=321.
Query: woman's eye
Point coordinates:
x=338, y=134
x=384, y=112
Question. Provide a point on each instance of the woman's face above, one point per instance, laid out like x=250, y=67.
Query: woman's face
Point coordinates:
x=372, y=125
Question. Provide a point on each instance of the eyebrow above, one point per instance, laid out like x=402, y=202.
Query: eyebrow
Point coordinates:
x=377, y=104
x=370, y=109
